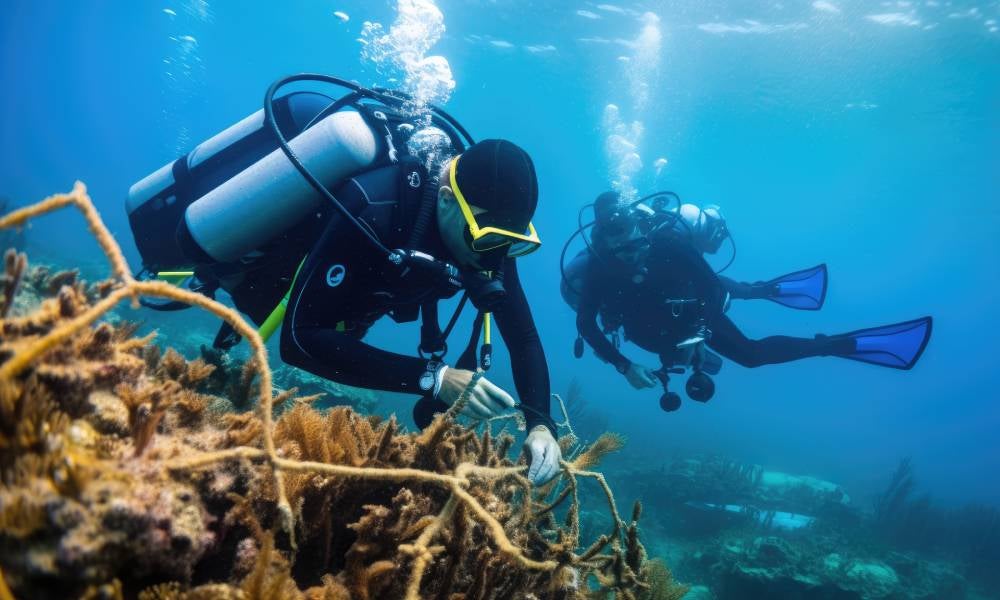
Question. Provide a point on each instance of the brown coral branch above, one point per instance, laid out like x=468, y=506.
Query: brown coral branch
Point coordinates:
x=29, y=354
x=566, y=421
x=419, y=550
x=398, y=474
x=78, y=198
x=604, y=445
x=15, y=265
x=607, y=492
x=5, y=593
x=496, y=529
x=554, y=504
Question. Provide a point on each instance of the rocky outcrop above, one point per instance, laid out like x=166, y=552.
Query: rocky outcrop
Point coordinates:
x=745, y=568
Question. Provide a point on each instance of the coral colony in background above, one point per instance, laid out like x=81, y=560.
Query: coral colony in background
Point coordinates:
x=123, y=478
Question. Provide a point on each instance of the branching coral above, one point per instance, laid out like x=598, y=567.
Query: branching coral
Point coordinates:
x=358, y=509
x=15, y=265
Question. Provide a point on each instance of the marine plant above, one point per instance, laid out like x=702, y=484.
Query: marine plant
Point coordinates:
x=888, y=506
x=117, y=479
x=969, y=534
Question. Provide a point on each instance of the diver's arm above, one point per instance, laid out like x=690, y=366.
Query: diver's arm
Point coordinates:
x=586, y=324
x=341, y=357
x=745, y=291
x=527, y=357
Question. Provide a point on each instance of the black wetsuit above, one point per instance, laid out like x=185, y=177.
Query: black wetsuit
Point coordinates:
x=665, y=304
x=346, y=284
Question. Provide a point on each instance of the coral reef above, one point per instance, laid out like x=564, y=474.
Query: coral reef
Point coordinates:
x=707, y=521
x=120, y=480
x=685, y=486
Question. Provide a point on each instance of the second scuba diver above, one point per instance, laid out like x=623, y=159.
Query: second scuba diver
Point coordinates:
x=366, y=212
x=643, y=272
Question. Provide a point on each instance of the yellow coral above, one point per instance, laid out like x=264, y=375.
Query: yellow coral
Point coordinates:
x=604, y=445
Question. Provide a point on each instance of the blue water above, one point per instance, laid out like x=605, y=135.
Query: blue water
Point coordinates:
x=828, y=133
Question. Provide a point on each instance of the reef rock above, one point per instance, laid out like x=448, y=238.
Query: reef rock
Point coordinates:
x=744, y=568
x=871, y=579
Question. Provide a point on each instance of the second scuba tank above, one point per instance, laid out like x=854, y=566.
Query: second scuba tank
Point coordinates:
x=571, y=284
x=237, y=190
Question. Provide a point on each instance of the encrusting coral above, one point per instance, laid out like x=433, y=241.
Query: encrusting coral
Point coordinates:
x=117, y=479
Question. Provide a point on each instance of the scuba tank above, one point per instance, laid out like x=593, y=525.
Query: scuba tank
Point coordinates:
x=572, y=280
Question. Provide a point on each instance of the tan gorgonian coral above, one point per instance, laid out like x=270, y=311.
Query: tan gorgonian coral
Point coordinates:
x=117, y=477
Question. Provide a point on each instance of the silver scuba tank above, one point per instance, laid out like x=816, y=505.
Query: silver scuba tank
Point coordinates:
x=572, y=282
x=237, y=190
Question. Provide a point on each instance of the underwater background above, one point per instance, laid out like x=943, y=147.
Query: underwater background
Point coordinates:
x=859, y=134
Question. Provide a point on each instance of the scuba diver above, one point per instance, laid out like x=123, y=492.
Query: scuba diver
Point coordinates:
x=322, y=215
x=643, y=272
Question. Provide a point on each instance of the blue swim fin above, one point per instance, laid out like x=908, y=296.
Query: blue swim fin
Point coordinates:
x=898, y=346
x=802, y=290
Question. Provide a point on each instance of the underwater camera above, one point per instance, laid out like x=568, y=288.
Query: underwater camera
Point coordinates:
x=699, y=387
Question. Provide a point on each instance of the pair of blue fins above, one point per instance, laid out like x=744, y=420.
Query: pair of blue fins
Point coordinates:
x=897, y=346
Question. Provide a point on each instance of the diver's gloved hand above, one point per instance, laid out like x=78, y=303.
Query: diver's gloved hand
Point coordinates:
x=640, y=377
x=486, y=400
x=544, y=453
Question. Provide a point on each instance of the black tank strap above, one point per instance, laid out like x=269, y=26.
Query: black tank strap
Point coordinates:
x=434, y=341
x=431, y=342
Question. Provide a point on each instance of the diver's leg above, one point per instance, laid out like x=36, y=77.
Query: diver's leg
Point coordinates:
x=730, y=342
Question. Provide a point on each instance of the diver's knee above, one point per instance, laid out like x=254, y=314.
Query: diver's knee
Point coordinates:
x=751, y=358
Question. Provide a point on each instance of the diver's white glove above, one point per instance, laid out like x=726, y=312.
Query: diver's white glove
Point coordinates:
x=640, y=377
x=544, y=453
x=486, y=400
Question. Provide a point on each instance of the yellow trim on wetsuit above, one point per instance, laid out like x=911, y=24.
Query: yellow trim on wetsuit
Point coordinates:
x=277, y=316
x=174, y=277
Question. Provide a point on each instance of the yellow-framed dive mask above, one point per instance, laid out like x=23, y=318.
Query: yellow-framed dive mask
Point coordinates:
x=484, y=239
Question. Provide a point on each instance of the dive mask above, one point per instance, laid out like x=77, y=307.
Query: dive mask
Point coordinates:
x=489, y=238
x=631, y=250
